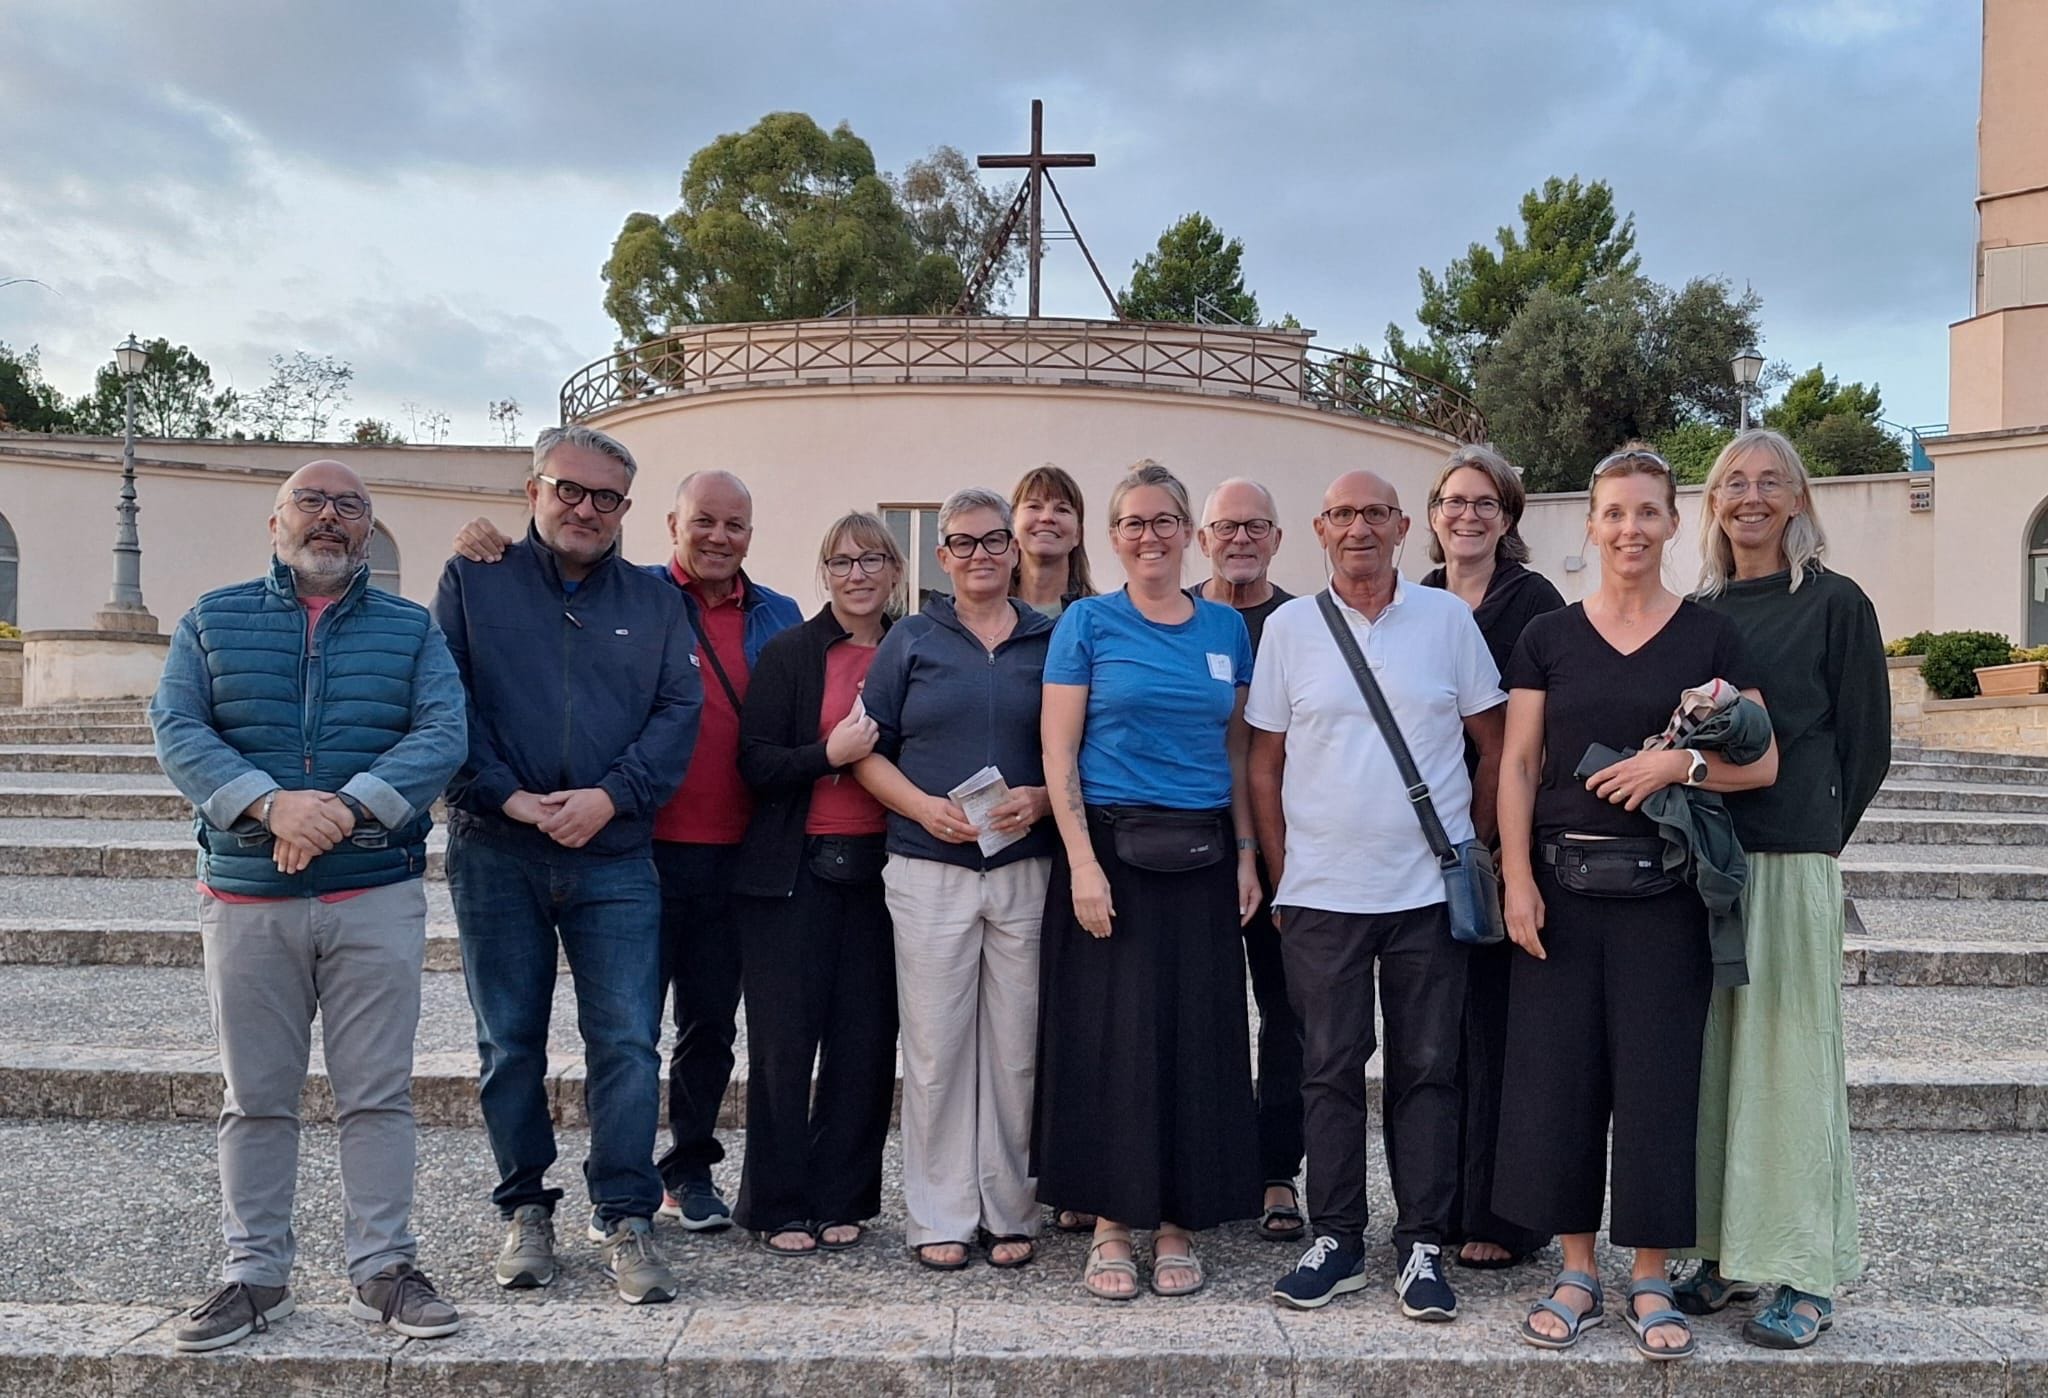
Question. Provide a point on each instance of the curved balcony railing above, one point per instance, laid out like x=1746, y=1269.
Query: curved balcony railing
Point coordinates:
x=1276, y=366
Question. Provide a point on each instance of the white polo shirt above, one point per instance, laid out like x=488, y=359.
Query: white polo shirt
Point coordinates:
x=1353, y=843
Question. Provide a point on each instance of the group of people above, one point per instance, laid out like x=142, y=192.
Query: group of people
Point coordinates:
x=1037, y=836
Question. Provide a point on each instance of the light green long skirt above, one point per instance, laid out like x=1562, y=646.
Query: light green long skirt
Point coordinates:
x=1777, y=1190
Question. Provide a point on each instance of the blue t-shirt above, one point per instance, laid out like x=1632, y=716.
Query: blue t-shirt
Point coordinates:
x=1159, y=700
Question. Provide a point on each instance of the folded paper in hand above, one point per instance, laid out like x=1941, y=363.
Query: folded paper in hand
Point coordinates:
x=978, y=797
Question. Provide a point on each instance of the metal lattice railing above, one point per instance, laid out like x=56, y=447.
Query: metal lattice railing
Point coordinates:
x=1202, y=358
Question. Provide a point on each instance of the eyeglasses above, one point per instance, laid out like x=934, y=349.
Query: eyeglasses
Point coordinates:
x=995, y=543
x=1344, y=516
x=1455, y=506
x=841, y=565
x=1735, y=487
x=1163, y=527
x=312, y=502
x=1648, y=458
x=1231, y=528
x=572, y=494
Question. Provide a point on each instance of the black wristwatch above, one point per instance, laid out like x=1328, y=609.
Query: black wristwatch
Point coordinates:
x=356, y=808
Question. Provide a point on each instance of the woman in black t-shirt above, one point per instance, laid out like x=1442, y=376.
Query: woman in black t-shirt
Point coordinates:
x=1607, y=1009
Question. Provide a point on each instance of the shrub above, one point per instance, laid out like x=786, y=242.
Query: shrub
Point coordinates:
x=1915, y=644
x=9, y=631
x=2029, y=653
x=1953, y=657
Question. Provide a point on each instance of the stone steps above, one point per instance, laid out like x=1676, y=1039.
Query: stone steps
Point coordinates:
x=1973, y=827
x=1904, y=753
x=113, y=803
x=1968, y=767
x=37, y=732
x=96, y=757
x=1929, y=796
x=1956, y=1309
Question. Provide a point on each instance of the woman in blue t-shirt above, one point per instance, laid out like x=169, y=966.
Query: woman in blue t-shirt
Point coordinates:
x=1145, y=1115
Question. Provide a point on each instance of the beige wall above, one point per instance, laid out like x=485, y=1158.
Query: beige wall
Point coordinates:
x=1992, y=485
x=1872, y=537
x=811, y=453
x=203, y=526
x=2012, y=124
x=1998, y=370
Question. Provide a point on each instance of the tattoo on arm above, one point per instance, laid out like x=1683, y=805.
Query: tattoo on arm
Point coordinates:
x=1073, y=793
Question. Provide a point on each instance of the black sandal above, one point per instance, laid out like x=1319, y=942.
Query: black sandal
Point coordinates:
x=1490, y=1264
x=1073, y=1221
x=1293, y=1223
x=767, y=1236
x=859, y=1232
x=992, y=1241
x=924, y=1258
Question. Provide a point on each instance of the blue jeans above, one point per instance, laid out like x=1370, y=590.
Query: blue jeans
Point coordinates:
x=510, y=910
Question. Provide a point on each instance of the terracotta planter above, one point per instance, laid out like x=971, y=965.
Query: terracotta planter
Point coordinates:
x=2008, y=681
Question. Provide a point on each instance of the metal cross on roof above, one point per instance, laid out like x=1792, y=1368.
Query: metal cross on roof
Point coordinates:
x=1028, y=204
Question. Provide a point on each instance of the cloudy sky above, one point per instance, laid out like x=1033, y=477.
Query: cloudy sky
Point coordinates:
x=428, y=189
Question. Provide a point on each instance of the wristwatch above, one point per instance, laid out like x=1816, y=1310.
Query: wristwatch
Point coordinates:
x=269, y=800
x=356, y=808
x=1252, y=845
x=1698, y=771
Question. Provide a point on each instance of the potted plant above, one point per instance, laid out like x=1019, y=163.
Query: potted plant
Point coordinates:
x=2026, y=673
x=1953, y=658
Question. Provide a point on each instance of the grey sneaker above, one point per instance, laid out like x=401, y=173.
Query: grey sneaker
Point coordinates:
x=630, y=1260
x=528, y=1257
x=403, y=1298
x=230, y=1313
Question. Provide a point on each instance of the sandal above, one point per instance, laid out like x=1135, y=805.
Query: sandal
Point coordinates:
x=1100, y=1266
x=859, y=1232
x=1663, y=1315
x=992, y=1241
x=1574, y=1321
x=1289, y=1218
x=959, y=1264
x=1707, y=1291
x=1782, y=1325
x=1073, y=1221
x=1176, y=1261
x=767, y=1236
x=1490, y=1264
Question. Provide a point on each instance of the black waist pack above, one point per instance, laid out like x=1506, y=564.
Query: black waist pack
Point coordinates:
x=1162, y=841
x=848, y=858
x=1629, y=868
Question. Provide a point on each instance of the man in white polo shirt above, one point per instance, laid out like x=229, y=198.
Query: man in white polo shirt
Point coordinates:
x=1357, y=883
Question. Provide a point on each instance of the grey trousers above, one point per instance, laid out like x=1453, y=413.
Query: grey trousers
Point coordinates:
x=967, y=1002
x=269, y=967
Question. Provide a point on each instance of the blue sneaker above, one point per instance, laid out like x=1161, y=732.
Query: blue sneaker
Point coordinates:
x=1782, y=1325
x=1424, y=1293
x=1326, y=1271
x=699, y=1208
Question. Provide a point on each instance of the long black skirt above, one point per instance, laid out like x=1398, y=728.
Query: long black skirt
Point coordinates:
x=1144, y=1096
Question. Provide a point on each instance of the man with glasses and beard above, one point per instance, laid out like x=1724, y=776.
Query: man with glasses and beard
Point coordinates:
x=312, y=720
x=583, y=711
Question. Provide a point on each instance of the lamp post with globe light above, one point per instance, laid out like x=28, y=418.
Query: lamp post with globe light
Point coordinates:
x=1749, y=367
x=125, y=610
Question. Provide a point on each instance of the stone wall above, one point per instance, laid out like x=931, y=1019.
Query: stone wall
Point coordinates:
x=1909, y=698
x=10, y=671
x=2017, y=725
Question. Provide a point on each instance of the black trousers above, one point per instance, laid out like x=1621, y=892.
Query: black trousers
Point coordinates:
x=1278, y=1090
x=700, y=960
x=1487, y=972
x=820, y=980
x=1329, y=959
x=1607, y=1028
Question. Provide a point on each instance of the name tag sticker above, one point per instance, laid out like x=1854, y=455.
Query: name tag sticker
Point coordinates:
x=1220, y=668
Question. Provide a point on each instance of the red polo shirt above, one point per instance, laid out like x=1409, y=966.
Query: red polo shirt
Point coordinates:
x=712, y=806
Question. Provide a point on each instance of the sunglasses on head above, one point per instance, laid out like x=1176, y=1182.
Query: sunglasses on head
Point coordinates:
x=1646, y=458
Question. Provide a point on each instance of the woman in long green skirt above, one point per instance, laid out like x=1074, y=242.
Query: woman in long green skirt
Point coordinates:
x=1777, y=1189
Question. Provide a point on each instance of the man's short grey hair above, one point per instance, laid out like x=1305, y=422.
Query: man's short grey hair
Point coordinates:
x=590, y=439
x=974, y=497
x=1272, y=506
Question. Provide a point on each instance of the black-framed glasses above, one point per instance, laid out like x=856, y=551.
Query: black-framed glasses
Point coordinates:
x=573, y=493
x=995, y=543
x=1163, y=527
x=1647, y=458
x=841, y=565
x=1230, y=528
x=1455, y=506
x=1344, y=516
x=312, y=502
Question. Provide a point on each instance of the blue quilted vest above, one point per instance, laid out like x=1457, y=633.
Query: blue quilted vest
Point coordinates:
x=311, y=714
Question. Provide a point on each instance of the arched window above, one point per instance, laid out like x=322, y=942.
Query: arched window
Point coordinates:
x=383, y=558
x=10, y=574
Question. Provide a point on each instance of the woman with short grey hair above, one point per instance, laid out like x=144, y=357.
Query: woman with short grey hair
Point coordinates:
x=954, y=692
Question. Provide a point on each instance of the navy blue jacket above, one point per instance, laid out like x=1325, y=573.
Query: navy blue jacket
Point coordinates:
x=764, y=612
x=566, y=690
x=946, y=708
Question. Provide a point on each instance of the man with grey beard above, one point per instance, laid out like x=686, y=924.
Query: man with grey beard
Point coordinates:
x=312, y=720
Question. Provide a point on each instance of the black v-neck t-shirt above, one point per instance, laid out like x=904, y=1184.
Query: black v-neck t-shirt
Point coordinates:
x=1595, y=694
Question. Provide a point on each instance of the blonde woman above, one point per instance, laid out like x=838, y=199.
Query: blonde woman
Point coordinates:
x=1773, y=1087
x=1607, y=1006
x=1145, y=1116
x=817, y=964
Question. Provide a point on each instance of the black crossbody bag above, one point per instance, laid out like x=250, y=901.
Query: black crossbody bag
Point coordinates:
x=1471, y=885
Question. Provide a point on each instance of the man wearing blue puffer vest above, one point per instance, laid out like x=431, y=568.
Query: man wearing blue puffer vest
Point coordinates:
x=312, y=720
